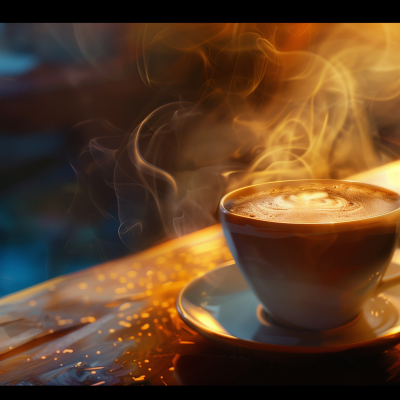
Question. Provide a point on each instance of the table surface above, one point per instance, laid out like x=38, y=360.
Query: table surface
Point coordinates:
x=117, y=324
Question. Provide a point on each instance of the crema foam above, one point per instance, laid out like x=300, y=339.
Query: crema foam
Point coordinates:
x=315, y=203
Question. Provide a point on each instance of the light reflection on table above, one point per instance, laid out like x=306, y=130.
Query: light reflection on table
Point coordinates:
x=107, y=324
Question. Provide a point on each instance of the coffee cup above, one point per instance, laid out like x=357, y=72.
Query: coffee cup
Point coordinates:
x=313, y=251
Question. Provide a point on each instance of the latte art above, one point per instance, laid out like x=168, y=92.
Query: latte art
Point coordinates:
x=312, y=200
x=313, y=203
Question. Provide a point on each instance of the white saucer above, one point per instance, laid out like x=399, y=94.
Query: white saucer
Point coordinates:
x=220, y=305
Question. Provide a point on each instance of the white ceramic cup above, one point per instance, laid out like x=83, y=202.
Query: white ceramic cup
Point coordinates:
x=314, y=276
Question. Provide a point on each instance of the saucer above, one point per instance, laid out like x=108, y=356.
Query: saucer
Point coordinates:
x=220, y=305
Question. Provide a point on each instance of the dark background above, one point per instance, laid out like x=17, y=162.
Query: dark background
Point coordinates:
x=62, y=85
x=53, y=77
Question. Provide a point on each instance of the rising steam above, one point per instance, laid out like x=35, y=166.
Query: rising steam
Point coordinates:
x=252, y=103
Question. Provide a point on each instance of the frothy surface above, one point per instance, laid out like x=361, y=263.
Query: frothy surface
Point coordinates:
x=315, y=202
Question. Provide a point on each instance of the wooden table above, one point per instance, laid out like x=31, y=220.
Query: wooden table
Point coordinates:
x=117, y=324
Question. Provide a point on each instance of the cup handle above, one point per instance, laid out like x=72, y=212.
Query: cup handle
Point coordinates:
x=388, y=282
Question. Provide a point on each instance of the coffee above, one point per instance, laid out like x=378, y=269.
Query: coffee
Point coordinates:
x=308, y=273
x=315, y=203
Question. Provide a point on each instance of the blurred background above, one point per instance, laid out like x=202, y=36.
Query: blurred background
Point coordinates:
x=214, y=106
x=52, y=77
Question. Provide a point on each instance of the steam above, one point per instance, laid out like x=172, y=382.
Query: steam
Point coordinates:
x=253, y=103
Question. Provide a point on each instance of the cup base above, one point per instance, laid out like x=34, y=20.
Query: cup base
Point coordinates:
x=269, y=319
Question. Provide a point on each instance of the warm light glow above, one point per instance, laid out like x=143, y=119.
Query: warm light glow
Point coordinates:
x=254, y=103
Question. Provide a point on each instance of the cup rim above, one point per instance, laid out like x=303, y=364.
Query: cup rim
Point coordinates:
x=284, y=223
